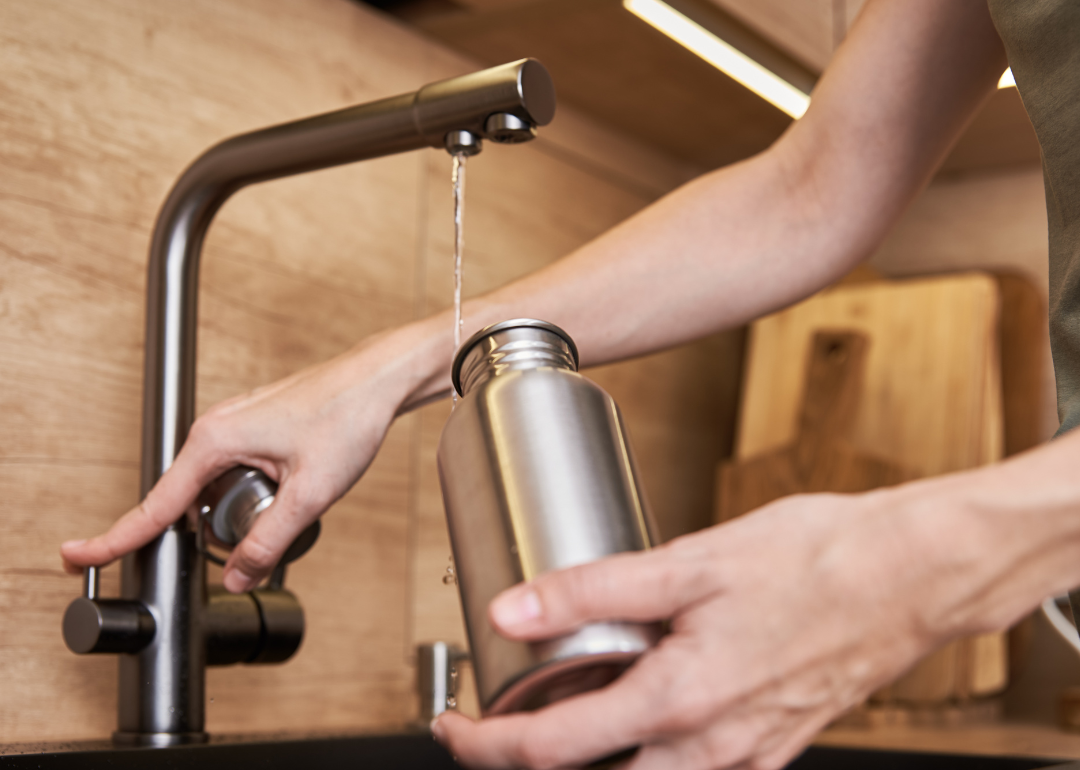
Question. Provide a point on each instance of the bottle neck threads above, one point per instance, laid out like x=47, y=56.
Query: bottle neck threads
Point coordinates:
x=510, y=346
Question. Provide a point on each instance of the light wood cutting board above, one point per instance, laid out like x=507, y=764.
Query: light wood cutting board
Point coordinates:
x=820, y=459
x=930, y=402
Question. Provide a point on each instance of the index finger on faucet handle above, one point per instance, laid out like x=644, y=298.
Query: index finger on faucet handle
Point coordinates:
x=166, y=502
x=71, y=567
x=133, y=530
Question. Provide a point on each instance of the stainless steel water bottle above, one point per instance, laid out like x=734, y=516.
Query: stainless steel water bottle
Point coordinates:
x=537, y=475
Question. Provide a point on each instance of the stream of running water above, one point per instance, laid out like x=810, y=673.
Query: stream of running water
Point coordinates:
x=457, y=178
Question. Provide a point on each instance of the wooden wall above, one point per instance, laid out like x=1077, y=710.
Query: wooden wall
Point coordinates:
x=995, y=221
x=101, y=106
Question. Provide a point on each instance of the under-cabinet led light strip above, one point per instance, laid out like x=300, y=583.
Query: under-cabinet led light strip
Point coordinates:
x=729, y=60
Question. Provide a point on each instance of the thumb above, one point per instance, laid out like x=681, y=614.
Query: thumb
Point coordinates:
x=273, y=532
x=638, y=586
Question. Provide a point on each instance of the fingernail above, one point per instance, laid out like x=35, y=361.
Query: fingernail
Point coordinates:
x=437, y=730
x=516, y=607
x=237, y=582
x=71, y=544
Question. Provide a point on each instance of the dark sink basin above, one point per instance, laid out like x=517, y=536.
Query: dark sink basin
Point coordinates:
x=392, y=752
x=829, y=758
x=406, y=752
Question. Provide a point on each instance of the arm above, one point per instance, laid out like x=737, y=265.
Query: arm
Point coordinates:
x=726, y=248
x=785, y=618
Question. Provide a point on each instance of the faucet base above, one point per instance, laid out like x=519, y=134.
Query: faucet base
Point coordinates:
x=158, y=740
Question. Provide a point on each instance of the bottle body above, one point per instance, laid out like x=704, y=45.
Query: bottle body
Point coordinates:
x=537, y=475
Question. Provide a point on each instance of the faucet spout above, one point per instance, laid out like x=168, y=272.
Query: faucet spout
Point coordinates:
x=167, y=623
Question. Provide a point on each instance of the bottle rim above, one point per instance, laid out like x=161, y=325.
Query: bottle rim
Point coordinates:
x=514, y=323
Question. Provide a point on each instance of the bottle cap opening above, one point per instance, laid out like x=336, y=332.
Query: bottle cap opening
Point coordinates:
x=487, y=331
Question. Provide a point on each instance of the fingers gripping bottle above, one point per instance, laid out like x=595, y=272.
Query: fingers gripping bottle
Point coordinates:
x=537, y=475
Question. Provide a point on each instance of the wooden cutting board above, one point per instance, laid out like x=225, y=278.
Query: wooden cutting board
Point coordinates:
x=820, y=459
x=930, y=402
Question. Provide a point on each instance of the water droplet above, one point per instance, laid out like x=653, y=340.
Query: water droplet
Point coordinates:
x=450, y=578
x=451, y=702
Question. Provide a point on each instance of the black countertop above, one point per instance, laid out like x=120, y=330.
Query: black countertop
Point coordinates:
x=419, y=751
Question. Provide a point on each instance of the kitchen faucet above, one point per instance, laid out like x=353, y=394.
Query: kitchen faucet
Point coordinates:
x=168, y=624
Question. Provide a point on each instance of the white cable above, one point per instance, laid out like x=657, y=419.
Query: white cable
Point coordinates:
x=1066, y=630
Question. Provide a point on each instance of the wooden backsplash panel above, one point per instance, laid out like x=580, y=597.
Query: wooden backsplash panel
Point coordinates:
x=299, y=270
x=47, y=691
x=103, y=105
x=64, y=394
x=95, y=129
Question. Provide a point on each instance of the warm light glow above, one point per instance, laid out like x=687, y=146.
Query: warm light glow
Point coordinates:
x=724, y=57
x=1007, y=79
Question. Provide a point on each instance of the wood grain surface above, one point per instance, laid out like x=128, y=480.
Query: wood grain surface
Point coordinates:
x=820, y=459
x=932, y=372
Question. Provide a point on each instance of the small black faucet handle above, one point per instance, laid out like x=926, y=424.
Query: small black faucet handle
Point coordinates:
x=92, y=624
x=262, y=626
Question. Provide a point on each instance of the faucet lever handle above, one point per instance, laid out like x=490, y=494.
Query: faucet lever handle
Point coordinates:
x=277, y=577
x=92, y=624
x=91, y=583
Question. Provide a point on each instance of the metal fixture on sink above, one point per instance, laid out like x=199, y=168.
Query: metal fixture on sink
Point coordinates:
x=437, y=678
x=168, y=625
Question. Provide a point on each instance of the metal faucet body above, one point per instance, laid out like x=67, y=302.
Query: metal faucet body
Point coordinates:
x=162, y=683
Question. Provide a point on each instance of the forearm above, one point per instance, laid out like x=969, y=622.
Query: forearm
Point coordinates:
x=729, y=247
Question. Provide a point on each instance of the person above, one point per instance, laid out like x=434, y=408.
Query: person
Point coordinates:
x=783, y=619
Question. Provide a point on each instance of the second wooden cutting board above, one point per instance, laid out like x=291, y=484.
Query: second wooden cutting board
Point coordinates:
x=930, y=402
x=820, y=459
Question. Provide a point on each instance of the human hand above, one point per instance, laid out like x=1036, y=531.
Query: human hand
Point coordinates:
x=315, y=433
x=780, y=621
